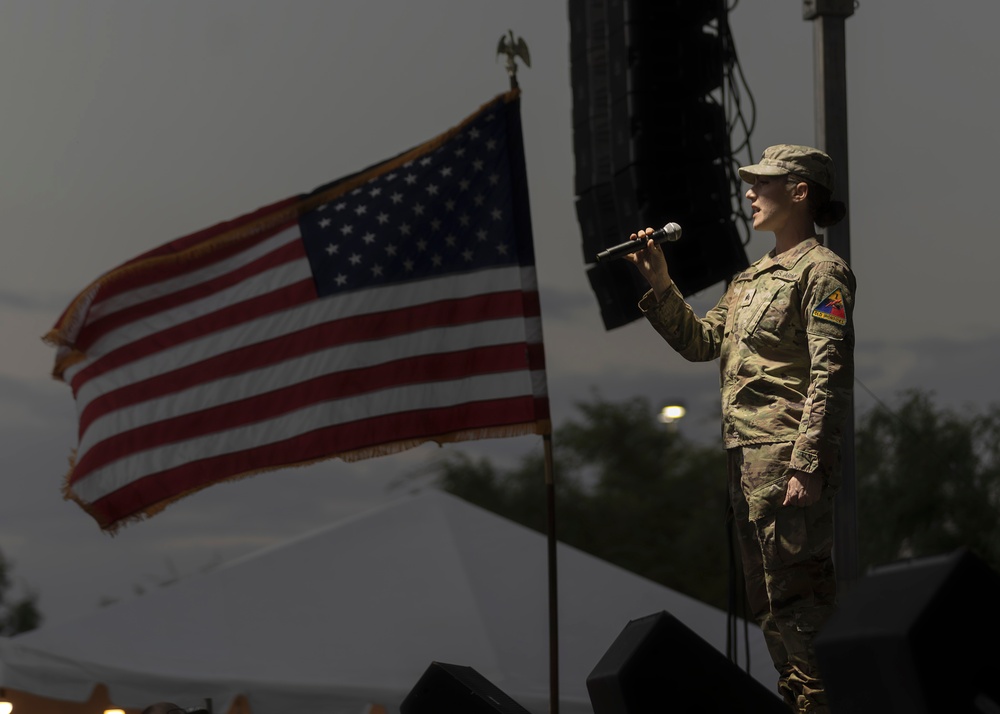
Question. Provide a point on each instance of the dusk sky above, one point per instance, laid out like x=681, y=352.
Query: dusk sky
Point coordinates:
x=127, y=124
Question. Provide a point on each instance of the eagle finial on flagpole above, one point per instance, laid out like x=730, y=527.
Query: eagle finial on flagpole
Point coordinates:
x=512, y=49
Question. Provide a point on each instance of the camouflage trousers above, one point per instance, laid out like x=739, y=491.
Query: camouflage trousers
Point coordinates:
x=787, y=565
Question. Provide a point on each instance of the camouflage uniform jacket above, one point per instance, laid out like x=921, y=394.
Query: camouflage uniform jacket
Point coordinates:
x=784, y=334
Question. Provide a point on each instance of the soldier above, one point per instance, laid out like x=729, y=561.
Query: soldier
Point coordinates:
x=784, y=335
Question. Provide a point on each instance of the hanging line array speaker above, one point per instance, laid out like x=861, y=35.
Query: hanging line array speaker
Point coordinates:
x=651, y=141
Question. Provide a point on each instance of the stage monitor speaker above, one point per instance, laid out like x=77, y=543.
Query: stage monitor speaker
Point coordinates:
x=917, y=636
x=445, y=688
x=658, y=664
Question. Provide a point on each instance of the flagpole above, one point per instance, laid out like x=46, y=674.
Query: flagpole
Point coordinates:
x=517, y=48
x=550, y=496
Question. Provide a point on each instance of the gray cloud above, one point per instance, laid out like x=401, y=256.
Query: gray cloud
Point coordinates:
x=29, y=301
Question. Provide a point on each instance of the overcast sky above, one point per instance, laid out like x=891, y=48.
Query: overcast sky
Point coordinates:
x=126, y=124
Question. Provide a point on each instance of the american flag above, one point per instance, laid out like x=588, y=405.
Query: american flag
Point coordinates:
x=392, y=307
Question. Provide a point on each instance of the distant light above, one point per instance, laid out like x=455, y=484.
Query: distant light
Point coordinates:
x=672, y=413
x=114, y=711
x=6, y=707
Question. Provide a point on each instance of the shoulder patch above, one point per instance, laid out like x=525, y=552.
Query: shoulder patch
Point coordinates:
x=831, y=309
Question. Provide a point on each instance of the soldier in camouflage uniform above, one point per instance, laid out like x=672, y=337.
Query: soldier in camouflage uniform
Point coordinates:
x=784, y=335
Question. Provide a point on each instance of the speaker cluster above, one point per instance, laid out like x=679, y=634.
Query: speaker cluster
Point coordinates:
x=651, y=141
x=914, y=637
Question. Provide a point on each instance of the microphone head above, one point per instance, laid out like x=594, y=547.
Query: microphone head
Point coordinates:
x=673, y=231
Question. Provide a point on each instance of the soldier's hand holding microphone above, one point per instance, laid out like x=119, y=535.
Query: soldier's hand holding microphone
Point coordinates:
x=651, y=262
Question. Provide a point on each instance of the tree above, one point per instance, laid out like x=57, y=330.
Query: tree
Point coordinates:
x=928, y=482
x=628, y=491
x=647, y=499
x=16, y=615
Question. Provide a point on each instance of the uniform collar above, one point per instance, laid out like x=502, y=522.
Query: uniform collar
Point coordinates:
x=790, y=257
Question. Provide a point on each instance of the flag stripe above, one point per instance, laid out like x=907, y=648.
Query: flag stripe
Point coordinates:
x=247, y=362
x=305, y=448
x=226, y=279
x=210, y=246
x=273, y=302
x=275, y=402
x=162, y=261
x=258, y=372
x=148, y=323
x=471, y=392
x=160, y=355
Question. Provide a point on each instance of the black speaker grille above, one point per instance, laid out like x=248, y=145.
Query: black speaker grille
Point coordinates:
x=657, y=664
x=452, y=688
x=649, y=128
x=915, y=636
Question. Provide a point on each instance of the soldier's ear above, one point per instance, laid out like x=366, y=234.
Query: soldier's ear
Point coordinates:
x=800, y=191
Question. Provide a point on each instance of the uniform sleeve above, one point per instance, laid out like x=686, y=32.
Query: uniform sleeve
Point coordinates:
x=696, y=339
x=828, y=314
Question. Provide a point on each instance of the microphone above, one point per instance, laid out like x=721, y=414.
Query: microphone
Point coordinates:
x=669, y=232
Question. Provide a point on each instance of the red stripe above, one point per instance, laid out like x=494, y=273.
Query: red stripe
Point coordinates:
x=129, y=275
x=542, y=409
x=276, y=301
x=536, y=356
x=343, y=385
x=421, y=424
x=532, y=304
x=288, y=253
x=361, y=328
x=160, y=270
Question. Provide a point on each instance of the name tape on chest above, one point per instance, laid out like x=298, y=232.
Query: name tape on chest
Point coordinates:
x=831, y=309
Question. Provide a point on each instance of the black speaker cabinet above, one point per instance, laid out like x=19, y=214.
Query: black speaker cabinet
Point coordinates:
x=456, y=689
x=657, y=664
x=918, y=637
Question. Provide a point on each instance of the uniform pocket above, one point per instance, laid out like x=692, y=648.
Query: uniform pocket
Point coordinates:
x=783, y=537
x=750, y=315
x=771, y=311
x=770, y=324
x=767, y=498
x=791, y=535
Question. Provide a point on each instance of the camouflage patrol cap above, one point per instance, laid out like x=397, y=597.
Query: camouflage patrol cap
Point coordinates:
x=803, y=161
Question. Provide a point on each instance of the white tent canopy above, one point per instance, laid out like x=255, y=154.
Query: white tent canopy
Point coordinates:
x=354, y=614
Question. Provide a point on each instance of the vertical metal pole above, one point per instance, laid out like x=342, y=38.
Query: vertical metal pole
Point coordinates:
x=513, y=49
x=830, y=67
x=550, y=497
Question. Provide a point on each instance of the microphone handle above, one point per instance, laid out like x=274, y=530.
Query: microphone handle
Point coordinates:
x=669, y=232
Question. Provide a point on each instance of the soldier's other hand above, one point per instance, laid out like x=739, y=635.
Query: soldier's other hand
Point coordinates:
x=803, y=489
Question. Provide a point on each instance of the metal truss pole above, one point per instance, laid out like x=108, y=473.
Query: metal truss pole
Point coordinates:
x=830, y=73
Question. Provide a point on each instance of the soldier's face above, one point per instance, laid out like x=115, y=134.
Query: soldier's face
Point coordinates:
x=770, y=202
